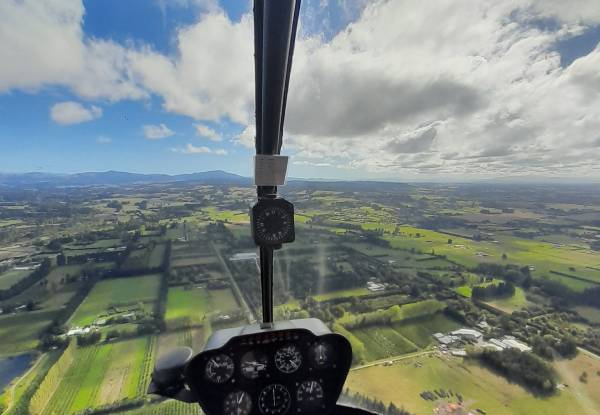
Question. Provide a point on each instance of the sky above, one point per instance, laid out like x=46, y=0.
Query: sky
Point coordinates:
x=395, y=90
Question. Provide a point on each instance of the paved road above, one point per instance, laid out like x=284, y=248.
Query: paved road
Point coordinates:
x=394, y=359
x=238, y=293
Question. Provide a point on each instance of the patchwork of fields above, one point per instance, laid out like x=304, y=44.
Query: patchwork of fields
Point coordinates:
x=99, y=375
x=190, y=306
x=480, y=388
x=117, y=293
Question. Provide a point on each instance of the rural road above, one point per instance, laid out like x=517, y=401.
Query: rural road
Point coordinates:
x=393, y=359
x=238, y=293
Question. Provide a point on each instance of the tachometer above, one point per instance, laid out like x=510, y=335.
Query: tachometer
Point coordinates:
x=219, y=369
x=237, y=403
x=288, y=359
x=310, y=394
x=320, y=355
x=274, y=400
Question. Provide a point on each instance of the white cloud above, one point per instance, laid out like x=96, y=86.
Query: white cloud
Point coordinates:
x=103, y=140
x=191, y=149
x=156, y=132
x=205, y=131
x=246, y=137
x=70, y=112
x=212, y=75
x=42, y=43
x=447, y=87
x=221, y=152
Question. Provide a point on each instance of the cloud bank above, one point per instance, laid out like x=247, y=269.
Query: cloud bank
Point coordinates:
x=410, y=87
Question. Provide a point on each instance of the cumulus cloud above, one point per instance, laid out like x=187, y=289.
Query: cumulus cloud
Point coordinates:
x=246, y=137
x=157, y=132
x=42, y=43
x=192, y=149
x=70, y=112
x=205, y=131
x=447, y=87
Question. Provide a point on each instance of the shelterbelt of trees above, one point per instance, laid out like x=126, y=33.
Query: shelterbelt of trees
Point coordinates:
x=521, y=367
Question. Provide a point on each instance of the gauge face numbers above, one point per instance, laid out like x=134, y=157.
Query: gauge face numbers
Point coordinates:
x=274, y=224
x=219, y=369
x=254, y=364
x=310, y=394
x=321, y=355
x=288, y=359
x=237, y=403
x=274, y=400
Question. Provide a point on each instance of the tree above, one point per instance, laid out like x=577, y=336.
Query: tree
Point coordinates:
x=449, y=241
x=504, y=256
x=61, y=259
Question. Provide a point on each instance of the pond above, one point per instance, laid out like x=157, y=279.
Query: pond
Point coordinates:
x=13, y=367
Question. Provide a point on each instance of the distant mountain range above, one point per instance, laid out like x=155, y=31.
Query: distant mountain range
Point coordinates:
x=116, y=178
x=220, y=177
x=215, y=177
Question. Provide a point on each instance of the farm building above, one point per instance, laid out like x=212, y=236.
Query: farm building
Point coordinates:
x=507, y=342
x=375, y=286
x=467, y=334
x=445, y=339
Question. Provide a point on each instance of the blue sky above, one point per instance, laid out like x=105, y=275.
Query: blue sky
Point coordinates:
x=379, y=89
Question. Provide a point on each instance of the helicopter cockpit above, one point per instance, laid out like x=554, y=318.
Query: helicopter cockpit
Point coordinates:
x=271, y=368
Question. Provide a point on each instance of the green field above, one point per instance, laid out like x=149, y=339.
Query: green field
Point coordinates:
x=381, y=342
x=189, y=306
x=543, y=256
x=510, y=304
x=10, y=278
x=402, y=383
x=104, y=374
x=465, y=291
x=21, y=331
x=117, y=292
x=420, y=331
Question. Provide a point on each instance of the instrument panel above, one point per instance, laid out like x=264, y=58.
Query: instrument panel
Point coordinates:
x=276, y=372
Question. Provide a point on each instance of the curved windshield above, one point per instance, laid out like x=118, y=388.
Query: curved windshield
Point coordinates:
x=443, y=168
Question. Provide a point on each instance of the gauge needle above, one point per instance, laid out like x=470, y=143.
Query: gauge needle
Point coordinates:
x=311, y=386
x=274, y=403
x=241, y=395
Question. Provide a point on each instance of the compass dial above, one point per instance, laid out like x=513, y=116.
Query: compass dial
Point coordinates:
x=288, y=359
x=219, y=369
x=274, y=224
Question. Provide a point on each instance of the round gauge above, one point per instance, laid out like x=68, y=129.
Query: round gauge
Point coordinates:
x=274, y=400
x=219, y=369
x=254, y=364
x=310, y=394
x=237, y=403
x=288, y=359
x=320, y=354
x=274, y=224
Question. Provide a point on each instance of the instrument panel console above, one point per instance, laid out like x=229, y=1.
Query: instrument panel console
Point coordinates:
x=297, y=367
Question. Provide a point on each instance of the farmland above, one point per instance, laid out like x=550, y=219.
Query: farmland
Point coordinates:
x=99, y=375
x=403, y=382
x=190, y=306
x=21, y=332
x=117, y=294
x=155, y=267
x=10, y=278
